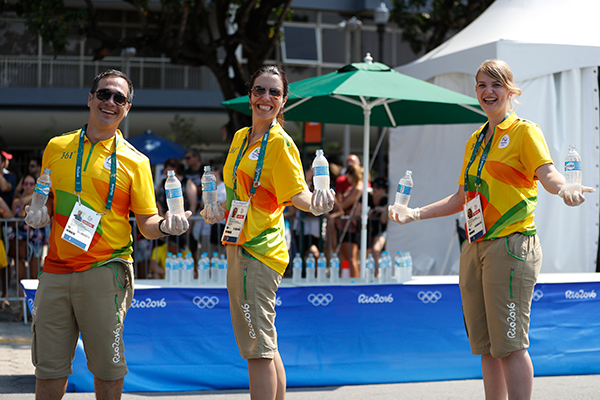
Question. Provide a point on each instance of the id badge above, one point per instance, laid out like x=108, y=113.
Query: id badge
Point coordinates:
x=81, y=226
x=474, y=218
x=235, y=221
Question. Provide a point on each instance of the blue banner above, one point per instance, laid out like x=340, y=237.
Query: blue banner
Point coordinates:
x=179, y=339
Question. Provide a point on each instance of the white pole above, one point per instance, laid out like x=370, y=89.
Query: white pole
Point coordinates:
x=365, y=205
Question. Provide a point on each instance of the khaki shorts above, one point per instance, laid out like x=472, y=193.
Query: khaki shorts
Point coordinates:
x=497, y=278
x=92, y=302
x=252, y=286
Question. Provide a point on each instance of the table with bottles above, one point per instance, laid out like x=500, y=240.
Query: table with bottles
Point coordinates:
x=179, y=337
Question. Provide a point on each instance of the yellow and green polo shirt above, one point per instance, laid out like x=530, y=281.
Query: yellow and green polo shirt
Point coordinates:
x=282, y=178
x=134, y=192
x=508, y=182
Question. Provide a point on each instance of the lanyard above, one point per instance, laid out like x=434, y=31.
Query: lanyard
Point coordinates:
x=113, y=170
x=259, y=163
x=481, y=161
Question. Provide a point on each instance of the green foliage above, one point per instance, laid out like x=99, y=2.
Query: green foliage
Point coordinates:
x=51, y=20
x=184, y=131
x=189, y=32
x=427, y=24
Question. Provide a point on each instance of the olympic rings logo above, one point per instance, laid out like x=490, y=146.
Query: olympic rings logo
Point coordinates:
x=429, y=296
x=205, y=301
x=537, y=295
x=320, y=299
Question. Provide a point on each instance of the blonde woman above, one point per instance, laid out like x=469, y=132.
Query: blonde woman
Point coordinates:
x=499, y=266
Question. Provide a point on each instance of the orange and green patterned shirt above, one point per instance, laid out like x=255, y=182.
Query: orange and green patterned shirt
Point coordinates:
x=134, y=192
x=282, y=178
x=508, y=182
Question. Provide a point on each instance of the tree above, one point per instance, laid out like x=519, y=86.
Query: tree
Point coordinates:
x=190, y=32
x=427, y=24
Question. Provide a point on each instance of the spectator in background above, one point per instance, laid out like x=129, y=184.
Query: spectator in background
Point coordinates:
x=346, y=217
x=5, y=212
x=190, y=192
x=34, y=168
x=341, y=182
x=194, y=169
x=378, y=217
x=8, y=180
x=28, y=244
x=157, y=264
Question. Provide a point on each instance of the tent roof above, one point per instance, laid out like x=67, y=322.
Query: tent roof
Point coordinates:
x=535, y=37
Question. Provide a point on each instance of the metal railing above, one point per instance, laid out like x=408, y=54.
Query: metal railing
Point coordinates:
x=73, y=71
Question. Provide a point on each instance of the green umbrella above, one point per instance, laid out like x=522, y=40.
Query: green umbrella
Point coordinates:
x=372, y=94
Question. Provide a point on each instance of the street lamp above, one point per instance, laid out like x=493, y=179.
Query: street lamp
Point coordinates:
x=382, y=16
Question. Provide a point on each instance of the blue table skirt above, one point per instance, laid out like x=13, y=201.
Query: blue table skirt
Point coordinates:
x=179, y=339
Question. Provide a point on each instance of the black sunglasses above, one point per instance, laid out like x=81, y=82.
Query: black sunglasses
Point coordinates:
x=105, y=94
x=261, y=90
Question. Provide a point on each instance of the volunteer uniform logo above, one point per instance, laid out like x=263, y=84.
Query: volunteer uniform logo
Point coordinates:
x=504, y=141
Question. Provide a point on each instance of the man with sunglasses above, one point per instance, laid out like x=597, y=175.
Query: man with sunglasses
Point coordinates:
x=86, y=285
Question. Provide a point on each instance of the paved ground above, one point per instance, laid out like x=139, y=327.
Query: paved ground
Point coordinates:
x=18, y=382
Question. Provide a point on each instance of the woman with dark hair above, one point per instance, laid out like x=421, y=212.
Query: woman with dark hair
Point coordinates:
x=263, y=174
x=346, y=216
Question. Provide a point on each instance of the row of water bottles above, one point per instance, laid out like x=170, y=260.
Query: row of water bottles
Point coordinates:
x=398, y=270
x=318, y=274
x=212, y=271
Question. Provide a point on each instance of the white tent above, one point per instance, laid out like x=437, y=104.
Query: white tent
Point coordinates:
x=553, y=49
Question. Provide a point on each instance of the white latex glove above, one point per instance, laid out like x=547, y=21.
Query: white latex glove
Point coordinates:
x=213, y=213
x=322, y=201
x=175, y=224
x=572, y=195
x=411, y=214
x=37, y=219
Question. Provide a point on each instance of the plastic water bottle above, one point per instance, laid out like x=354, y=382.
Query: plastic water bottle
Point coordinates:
x=175, y=266
x=320, y=168
x=214, y=268
x=187, y=271
x=403, y=194
x=209, y=187
x=41, y=191
x=174, y=194
x=370, y=269
x=334, y=269
x=310, y=269
x=203, y=269
x=384, y=268
x=573, y=167
x=297, y=269
x=168, y=267
x=222, y=270
x=321, y=268
x=408, y=267
x=398, y=267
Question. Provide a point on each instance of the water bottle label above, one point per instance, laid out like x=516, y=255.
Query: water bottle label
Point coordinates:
x=573, y=166
x=174, y=193
x=322, y=265
x=209, y=186
x=335, y=265
x=321, y=170
x=42, y=189
x=402, y=189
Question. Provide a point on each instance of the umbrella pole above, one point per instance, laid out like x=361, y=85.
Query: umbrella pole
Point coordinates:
x=365, y=204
